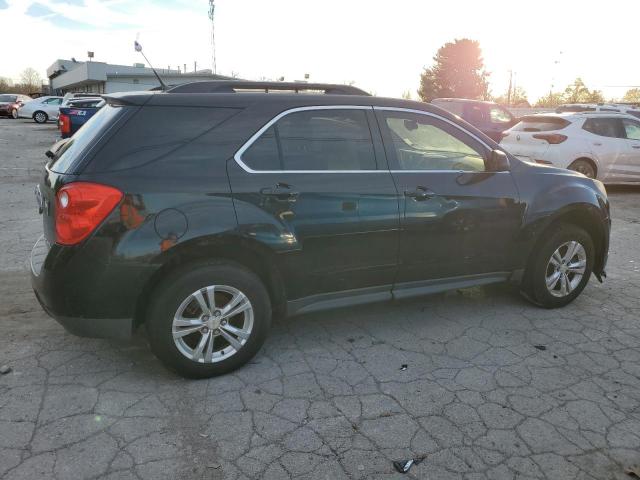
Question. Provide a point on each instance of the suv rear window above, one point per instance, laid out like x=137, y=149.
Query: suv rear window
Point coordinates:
x=74, y=149
x=540, y=124
x=153, y=133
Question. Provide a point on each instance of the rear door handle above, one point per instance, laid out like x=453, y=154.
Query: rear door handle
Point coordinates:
x=635, y=146
x=281, y=191
x=420, y=193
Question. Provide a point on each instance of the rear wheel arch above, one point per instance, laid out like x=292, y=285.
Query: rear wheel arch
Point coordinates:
x=589, y=160
x=241, y=253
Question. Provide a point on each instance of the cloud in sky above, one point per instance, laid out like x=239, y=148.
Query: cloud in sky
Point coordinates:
x=383, y=47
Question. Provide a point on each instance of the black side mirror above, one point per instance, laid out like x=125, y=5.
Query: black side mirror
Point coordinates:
x=498, y=161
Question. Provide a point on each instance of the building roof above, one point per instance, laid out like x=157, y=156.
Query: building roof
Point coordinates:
x=68, y=73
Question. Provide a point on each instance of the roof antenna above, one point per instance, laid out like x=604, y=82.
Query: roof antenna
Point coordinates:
x=138, y=48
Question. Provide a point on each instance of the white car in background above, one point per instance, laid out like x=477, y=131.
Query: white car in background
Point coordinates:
x=599, y=107
x=41, y=109
x=599, y=145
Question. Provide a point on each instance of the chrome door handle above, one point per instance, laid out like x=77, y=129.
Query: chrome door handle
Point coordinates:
x=419, y=194
x=281, y=191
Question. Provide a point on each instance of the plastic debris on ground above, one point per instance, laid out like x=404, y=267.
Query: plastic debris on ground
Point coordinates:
x=403, y=466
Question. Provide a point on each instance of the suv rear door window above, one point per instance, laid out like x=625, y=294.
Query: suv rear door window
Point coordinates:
x=605, y=127
x=475, y=114
x=321, y=140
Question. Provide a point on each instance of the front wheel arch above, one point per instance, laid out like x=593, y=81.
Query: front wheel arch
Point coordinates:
x=579, y=216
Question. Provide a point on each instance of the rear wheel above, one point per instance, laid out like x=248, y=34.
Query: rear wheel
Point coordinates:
x=585, y=167
x=14, y=113
x=208, y=320
x=40, y=117
x=561, y=267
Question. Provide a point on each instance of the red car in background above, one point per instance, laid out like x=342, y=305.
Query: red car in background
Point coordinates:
x=10, y=102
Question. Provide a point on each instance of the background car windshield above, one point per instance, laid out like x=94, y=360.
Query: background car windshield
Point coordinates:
x=8, y=98
x=421, y=145
x=82, y=138
x=498, y=115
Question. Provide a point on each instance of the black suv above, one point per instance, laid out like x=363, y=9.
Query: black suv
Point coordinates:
x=202, y=211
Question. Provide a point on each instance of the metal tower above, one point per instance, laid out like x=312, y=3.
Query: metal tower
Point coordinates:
x=213, y=35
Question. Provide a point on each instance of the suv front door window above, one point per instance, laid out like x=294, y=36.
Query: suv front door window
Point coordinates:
x=452, y=207
x=315, y=184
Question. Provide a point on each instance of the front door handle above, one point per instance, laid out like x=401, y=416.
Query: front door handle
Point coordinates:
x=281, y=191
x=420, y=193
x=635, y=146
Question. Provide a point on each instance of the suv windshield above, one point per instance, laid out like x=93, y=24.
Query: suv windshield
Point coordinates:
x=83, y=138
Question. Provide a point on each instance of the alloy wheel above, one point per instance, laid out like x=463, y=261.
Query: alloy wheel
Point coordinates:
x=212, y=324
x=565, y=268
x=40, y=117
x=14, y=114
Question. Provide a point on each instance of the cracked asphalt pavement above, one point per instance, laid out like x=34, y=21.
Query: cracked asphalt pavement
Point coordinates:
x=494, y=388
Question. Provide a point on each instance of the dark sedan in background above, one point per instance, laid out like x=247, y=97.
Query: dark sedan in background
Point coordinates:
x=488, y=117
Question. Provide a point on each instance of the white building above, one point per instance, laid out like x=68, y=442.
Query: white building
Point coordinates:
x=99, y=77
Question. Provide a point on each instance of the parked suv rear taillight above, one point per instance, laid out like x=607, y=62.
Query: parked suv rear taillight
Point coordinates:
x=64, y=123
x=80, y=208
x=552, y=138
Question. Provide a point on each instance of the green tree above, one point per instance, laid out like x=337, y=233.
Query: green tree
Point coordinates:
x=406, y=94
x=578, y=92
x=550, y=100
x=457, y=71
x=632, y=95
x=518, y=98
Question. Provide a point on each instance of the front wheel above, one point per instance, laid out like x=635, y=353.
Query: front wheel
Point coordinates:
x=208, y=320
x=40, y=117
x=560, y=268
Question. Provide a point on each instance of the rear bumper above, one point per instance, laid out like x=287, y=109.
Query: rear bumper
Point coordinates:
x=71, y=291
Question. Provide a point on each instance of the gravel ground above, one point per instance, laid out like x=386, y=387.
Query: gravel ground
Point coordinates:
x=494, y=388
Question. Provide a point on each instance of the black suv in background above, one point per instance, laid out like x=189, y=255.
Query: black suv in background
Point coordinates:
x=488, y=117
x=201, y=211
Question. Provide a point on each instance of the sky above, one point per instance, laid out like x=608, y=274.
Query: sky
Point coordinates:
x=380, y=46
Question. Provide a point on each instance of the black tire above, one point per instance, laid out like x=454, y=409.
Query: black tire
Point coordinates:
x=170, y=295
x=534, y=285
x=40, y=117
x=585, y=167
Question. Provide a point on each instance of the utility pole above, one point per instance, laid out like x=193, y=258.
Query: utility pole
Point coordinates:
x=213, y=35
x=509, y=91
x=195, y=66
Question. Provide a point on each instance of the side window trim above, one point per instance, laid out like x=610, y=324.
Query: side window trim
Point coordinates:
x=238, y=155
x=442, y=119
